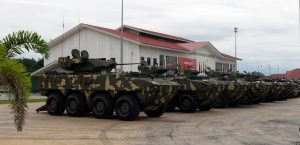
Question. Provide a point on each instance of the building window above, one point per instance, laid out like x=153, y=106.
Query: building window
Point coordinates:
x=161, y=60
x=230, y=68
x=219, y=66
x=142, y=59
x=225, y=67
x=233, y=68
x=149, y=60
x=171, y=62
x=155, y=61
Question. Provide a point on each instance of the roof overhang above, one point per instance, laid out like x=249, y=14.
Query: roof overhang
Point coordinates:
x=115, y=34
x=153, y=33
x=44, y=69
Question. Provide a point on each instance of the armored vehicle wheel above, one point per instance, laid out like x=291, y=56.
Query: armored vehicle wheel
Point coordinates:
x=206, y=107
x=127, y=107
x=55, y=104
x=102, y=106
x=246, y=100
x=156, y=113
x=75, y=105
x=234, y=103
x=257, y=101
x=187, y=103
x=220, y=102
x=172, y=105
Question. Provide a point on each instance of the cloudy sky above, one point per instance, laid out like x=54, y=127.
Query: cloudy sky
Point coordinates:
x=268, y=29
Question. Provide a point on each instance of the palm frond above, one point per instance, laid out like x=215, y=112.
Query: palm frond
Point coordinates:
x=17, y=42
x=15, y=79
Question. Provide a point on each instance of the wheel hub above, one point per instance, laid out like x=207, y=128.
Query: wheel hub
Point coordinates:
x=186, y=103
x=125, y=108
x=52, y=104
x=100, y=106
x=73, y=105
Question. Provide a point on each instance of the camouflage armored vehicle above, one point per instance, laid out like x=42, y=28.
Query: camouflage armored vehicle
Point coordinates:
x=294, y=89
x=275, y=90
x=234, y=90
x=197, y=92
x=84, y=85
x=297, y=88
x=257, y=89
x=289, y=88
x=267, y=88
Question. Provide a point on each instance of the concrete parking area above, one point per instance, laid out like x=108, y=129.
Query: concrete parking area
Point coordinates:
x=265, y=124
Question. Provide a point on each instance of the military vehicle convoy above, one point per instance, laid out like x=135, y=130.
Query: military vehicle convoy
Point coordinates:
x=86, y=85
x=197, y=92
x=81, y=85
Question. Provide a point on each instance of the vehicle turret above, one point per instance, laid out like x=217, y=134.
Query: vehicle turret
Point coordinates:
x=81, y=62
x=146, y=69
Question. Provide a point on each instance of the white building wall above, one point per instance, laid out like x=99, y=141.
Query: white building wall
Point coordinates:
x=99, y=45
x=102, y=45
x=206, y=56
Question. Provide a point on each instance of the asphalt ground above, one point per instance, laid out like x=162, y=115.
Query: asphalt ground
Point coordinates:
x=264, y=124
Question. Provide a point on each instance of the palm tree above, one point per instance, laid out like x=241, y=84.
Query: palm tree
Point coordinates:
x=14, y=77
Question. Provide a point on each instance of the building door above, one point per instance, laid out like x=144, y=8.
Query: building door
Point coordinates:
x=171, y=62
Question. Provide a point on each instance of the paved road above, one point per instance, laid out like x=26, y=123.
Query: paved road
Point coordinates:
x=265, y=124
x=4, y=96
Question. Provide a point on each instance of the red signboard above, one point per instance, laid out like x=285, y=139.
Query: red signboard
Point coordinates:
x=187, y=63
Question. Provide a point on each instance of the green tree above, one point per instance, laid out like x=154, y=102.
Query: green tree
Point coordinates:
x=31, y=64
x=14, y=77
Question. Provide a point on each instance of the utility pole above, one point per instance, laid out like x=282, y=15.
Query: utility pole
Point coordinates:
x=122, y=38
x=235, y=32
x=270, y=71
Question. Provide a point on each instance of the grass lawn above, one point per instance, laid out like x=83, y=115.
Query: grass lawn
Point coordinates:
x=29, y=101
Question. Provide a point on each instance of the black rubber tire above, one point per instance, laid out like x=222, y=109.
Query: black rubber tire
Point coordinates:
x=133, y=107
x=234, y=103
x=76, y=105
x=102, y=106
x=220, y=102
x=187, y=103
x=206, y=107
x=156, y=113
x=257, y=101
x=55, y=104
x=246, y=100
x=172, y=105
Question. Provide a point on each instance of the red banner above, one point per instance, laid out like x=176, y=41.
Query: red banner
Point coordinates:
x=187, y=63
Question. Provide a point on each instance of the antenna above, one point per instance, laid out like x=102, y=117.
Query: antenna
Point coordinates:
x=62, y=36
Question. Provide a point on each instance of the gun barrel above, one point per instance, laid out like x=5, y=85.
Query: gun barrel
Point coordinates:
x=128, y=63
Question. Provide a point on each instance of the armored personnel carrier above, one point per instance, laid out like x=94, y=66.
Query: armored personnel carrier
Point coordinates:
x=234, y=90
x=84, y=85
x=275, y=90
x=197, y=92
x=257, y=88
x=288, y=91
x=297, y=88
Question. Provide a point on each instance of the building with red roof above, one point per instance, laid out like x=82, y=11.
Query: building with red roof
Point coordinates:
x=293, y=74
x=140, y=45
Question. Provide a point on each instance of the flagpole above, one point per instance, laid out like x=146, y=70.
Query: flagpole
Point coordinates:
x=122, y=39
x=235, y=51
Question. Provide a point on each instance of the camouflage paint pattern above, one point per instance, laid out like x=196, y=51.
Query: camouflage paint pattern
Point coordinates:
x=205, y=90
x=236, y=90
x=91, y=76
